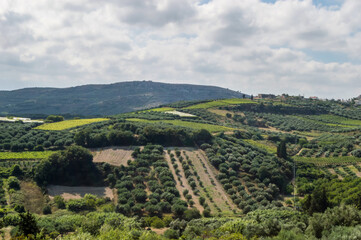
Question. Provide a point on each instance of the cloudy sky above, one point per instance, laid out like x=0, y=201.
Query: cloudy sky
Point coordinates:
x=287, y=46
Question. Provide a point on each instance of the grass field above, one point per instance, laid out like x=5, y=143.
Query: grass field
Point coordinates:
x=193, y=125
x=328, y=160
x=161, y=109
x=263, y=145
x=24, y=155
x=220, y=103
x=338, y=119
x=57, y=126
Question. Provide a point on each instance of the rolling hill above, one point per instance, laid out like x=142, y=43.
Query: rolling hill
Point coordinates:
x=105, y=99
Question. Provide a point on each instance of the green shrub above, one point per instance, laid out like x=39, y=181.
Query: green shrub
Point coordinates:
x=158, y=223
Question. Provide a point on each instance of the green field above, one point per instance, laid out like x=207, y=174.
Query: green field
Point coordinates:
x=24, y=155
x=161, y=109
x=193, y=125
x=57, y=126
x=338, y=119
x=263, y=145
x=328, y=160
x=220, y=103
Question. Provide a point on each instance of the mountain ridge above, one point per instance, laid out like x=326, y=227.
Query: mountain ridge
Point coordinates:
x=105, y=99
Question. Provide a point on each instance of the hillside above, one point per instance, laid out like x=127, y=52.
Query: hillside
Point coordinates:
x=283, y=168
x=105, y=99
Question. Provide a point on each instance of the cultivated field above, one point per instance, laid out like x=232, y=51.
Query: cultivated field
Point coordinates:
x=205, y=179
x=57, y=126
x=25, y=155
x=328, y=160
x=263, y=145
x=113, y=155
x=79, y=192
x=193, y=125
x=220, y=103
x=161, y=109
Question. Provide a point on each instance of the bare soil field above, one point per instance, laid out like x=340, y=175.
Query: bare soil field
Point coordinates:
x=79, y=192
x=113, y=155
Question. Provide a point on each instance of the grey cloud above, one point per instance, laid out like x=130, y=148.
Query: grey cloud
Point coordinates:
x=235, y=28
x=12, y=31
x=146, y=13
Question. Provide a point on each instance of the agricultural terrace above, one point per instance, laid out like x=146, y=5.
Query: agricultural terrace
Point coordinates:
x=161, y=109
x=328, y=160
x=263, y=145
x=57, y=126
x=193, y=125
x=337, y=119
x=25, y=155
x=221, y=103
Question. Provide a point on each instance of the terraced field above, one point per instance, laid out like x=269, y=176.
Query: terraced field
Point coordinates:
x=193, y=125
x=328, y=160
x=221, y=103
x=57, y=126
x=263, y=145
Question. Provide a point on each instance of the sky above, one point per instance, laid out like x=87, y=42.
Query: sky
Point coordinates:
x=298, y=47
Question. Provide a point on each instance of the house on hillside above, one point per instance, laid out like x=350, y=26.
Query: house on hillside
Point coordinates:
x=313, y=97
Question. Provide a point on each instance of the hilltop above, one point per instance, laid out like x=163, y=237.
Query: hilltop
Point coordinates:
x=105, y=99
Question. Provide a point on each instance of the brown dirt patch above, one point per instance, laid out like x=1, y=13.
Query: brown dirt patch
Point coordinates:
x=79, y=192
x=159, y=231
x=113, y=155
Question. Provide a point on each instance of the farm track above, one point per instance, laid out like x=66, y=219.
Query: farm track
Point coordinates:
x=186, y=185
x=179, y=187
x=220, y=197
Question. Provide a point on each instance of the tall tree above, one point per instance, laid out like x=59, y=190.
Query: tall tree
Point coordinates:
x=282, y=150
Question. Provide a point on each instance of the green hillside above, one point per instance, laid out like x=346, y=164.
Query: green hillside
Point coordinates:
x=284, y=168
x=105, y=99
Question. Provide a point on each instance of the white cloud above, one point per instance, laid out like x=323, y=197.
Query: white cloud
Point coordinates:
x=245, y=45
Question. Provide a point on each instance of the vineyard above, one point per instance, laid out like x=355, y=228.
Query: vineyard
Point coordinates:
x=57, y=126
x=24, y=155
x=328, y=160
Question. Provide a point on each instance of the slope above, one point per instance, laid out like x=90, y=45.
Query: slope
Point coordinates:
x=105, y=99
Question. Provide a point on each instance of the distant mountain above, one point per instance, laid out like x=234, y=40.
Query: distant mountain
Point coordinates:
x=105, y=99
